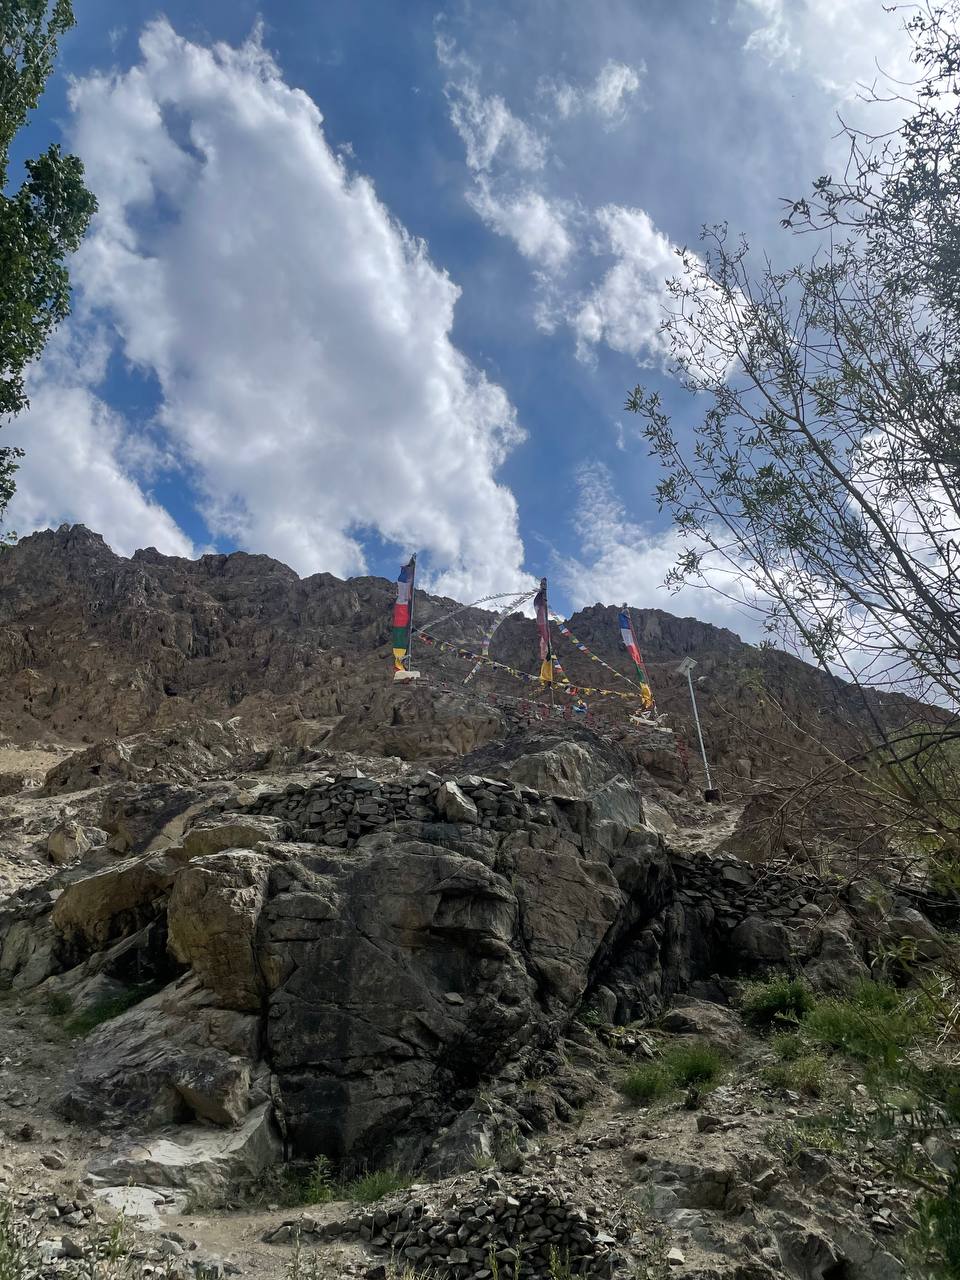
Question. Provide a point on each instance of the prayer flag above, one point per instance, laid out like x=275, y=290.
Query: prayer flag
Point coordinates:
x=403, y=614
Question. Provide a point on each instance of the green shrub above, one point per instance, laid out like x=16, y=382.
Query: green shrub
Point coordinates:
x=647, y=1083
x=874, y=1024
x=319, y=1183
x=806, y=1074
x=772, y=1001
x=787, y=1045
x=697, y=1063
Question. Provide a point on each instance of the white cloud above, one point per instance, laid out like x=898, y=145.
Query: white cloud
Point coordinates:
x=608, y=97
x=489, y=129
x=622, y=560
x=625, y=310
x=81, y=459
x=538, y=226
x=842, y=46
x=300, y=337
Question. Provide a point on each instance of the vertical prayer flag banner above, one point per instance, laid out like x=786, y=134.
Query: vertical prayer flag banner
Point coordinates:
x=543, y=630
x=403, y=614
x=631, y=646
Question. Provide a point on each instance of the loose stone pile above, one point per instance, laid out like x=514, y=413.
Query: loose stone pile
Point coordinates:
x=336, y=810
x=482, y=1232
x=36, y=1245
x=735, y=888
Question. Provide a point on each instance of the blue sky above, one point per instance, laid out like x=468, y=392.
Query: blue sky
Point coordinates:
x=371, y=277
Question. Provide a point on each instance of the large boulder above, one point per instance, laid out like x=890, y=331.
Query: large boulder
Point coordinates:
x=567, y=906
x=392, y=976
x=835, y=955
x=907, y=928
x=758, y=941
x=706, y=1021
x=212, y=921
x=205, y=1162
x=565, y=767
x=99, y=909
x=174, y=1057
x=69, y=840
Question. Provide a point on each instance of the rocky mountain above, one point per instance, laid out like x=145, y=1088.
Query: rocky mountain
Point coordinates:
x=303, y=973
x=93, y=645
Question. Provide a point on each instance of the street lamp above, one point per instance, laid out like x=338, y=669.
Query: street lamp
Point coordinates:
x=685, y=668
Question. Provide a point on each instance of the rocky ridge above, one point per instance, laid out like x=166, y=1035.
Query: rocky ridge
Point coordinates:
x=93, y=646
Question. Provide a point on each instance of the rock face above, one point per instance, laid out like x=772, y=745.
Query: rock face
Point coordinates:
x=376, y=980
x=367, y=953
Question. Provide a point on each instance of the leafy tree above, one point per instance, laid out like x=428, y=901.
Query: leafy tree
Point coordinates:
x=825, y=471
x=42, y=221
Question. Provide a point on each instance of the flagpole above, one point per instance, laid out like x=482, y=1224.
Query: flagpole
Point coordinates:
x=546, y=609
x=413, y=583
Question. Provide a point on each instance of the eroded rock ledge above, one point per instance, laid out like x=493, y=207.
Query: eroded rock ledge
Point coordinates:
x=354, y=959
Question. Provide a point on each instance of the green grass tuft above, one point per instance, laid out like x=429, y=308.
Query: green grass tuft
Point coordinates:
x=59, y=1004
x=374, y=1186
x=647, y=1083
x=697, y=1063
x=775, y=1001
x=875, y=1024
x=807, y=1074
x=320, y=1184
x=788, y=1046
x=938, y=1233
x=683, y=1065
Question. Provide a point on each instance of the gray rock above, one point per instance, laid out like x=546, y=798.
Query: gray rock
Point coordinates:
x=454, y=806
x=760, y=941
x=202, y=1161
x=710, y=1022
x=906, y=925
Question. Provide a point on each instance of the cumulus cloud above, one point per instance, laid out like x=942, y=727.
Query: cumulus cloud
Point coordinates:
x=621, y=560
x=82, y=461
x=608, y=97
x=625, y=309
x=506, y=157
x=538, y=226
x=299, y=336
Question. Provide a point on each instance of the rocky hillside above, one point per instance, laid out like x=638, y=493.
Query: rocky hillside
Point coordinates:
x=93, y=645
x=305, y=974
x=421, y=975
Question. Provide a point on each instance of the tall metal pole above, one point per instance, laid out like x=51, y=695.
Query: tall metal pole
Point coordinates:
x=685, y=669
x=696, y=719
